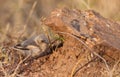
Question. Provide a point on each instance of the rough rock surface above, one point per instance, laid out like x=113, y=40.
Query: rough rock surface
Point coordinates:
x=87, y=24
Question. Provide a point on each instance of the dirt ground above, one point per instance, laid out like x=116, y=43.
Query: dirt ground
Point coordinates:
x=70, y=60
x=63, y=62
x=74, y=61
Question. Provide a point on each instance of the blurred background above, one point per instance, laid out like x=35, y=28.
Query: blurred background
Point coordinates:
x=22, y=17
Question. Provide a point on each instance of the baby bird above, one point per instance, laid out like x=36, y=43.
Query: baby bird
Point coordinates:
x=38, y=46
x=35, y=46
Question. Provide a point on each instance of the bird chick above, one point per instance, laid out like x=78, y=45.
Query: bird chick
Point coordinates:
x=35, y=46
x=38, y=46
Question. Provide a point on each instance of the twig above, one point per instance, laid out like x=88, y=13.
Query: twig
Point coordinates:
x=5, y=32
x=74, y=68
x=28, y=18
x=31, y=11
x=114, y=67
x=3, y=70
x=85, y=3
x=15, y=72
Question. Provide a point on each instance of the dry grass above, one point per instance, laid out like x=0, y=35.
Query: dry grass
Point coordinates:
x=16, y=14
x=15, y=73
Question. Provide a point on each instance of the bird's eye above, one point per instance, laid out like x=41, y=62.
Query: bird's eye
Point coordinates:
x=42, y=41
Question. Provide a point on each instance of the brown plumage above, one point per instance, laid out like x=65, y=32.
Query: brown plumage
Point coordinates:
x=37, y=46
